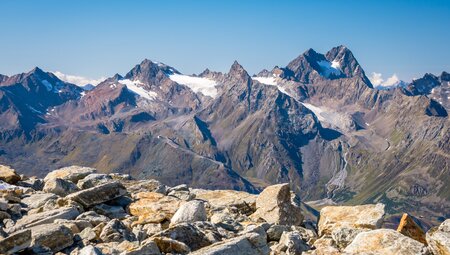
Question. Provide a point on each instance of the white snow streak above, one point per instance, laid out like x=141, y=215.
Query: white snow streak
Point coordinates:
x=136, y=87
x=198, y=84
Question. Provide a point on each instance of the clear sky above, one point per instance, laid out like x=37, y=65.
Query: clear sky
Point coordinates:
x=100, y=38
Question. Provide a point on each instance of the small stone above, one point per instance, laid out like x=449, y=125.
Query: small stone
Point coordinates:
x=93, y=180
x=190, y=212
x=343, y=236
x=275, y=231
x=93, y=217
x=4, y=215
x=88, y=234
x=9, y=175
x=112, y=212
x=116, y=231
x=291, y=243
x=167, y=245
x=89, y=250
x=409, y=227
x=244, y=202
x=147, y=186
x=60, y=187
x=3, y=204
x=147, y=247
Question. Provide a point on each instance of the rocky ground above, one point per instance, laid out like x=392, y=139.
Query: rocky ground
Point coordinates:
x=75, y=210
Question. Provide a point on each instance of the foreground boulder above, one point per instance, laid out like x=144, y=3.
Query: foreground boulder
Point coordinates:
x=244, y=202
x=385, y=242
x=60, y=187
x=98, y=194
x=274, y=206
x=190, y=212
x=409, y=227
x=152, y=207
x=65, y=213
x=253, y=242
x=438, y=238
x=9, y=175
x=15, y=242
x=52, y=236
x=359, y=217
x=71, y=173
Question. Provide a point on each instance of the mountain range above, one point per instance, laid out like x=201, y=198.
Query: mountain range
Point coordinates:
x=317, y=123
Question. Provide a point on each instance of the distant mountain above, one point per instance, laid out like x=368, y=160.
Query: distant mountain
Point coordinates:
x=436, y=87
x=316, y=123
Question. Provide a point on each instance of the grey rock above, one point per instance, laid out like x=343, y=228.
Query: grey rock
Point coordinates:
x=67, y=213
x=116, y=231
x=112, y=212
x=146, y=186
x=89, y=250
x=33, y=182
x=384, y=241
x=438, y=238
x=4, y=215
x=274, y=206
x=344, y=236
x=99, y=194
x=88, y=234
x=71, y=173
x=291, y=243
x=251, y=243
x=15, y=242
x=93, y=217
x=3, y=204
x=190, y=211
x=275, y=231
x=147, y=247
x=38, y=199
x=195, y=235
x=60, y=187
x=53, y=236
x=93, y=180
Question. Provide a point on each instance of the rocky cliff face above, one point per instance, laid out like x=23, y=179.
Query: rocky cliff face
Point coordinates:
x=76, y=210
x=317, y=124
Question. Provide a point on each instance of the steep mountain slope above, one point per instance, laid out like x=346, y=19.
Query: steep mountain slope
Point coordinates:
x=25, y=98
x=317, y=123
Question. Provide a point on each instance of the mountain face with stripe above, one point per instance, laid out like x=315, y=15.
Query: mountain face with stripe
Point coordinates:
x=316, y=123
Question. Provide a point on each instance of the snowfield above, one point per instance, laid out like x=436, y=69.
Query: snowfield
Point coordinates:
x=329, y=68
x=136, y=87
x=198, y=84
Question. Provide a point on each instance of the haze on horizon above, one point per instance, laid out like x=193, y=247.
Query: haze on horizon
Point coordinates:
x=98, y=39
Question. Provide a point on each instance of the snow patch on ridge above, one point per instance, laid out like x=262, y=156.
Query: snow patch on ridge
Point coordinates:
x=272, y=82
x=330, y=68
x=198, y=84
x=136, y=87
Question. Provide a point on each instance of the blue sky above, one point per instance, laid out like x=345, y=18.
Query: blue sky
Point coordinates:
x=100, y=38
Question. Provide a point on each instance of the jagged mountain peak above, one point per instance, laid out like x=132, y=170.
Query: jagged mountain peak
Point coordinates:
x=150, y=72
x=238, y=72
x=445, y=76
